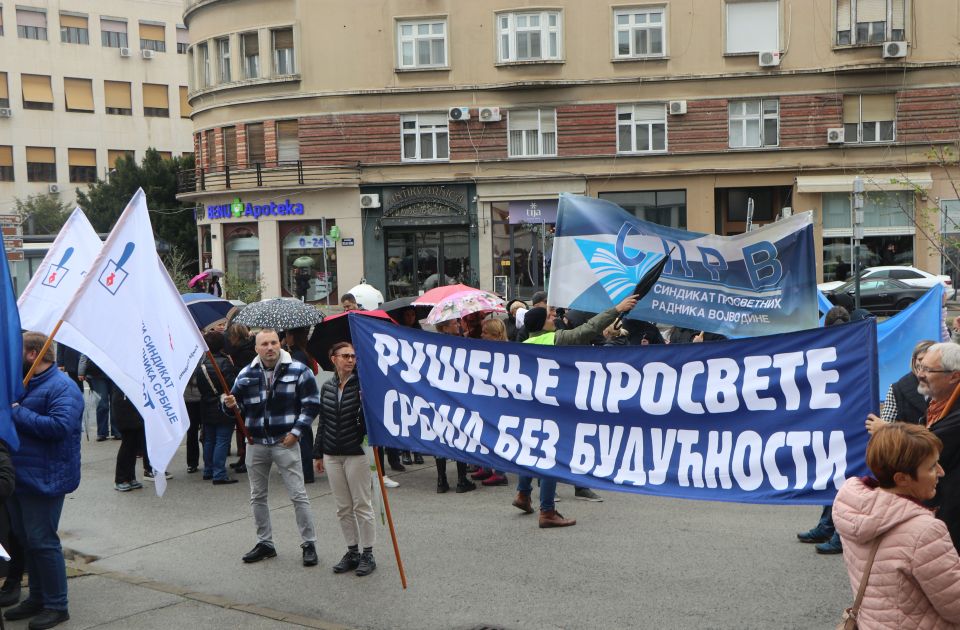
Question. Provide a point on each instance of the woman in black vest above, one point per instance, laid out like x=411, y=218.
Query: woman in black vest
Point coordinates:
x=903, y=402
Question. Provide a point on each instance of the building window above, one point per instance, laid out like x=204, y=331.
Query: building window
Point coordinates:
x=116, y=154
x=641, y=128
x=113, y=33
x=155, y=100
x=185, y=109
x=305, y=274
x=242, y=250
x=752, y=26
x=6, y=164
x=209, y=146
x=37, y=92
x=880, y=210
x=41, y=164
x=256, y=147
x=79, y=95
x=83, y=165
x=1, y=20
x=183, y=40
x=230, y=146
x=522, y=235
x=424, y=137
x=31, y=24
x=422, y=44
x=869, y=118
x=250, y=49
x=165, y=155
x=4, y=91
x=73, y=29
x=732, y=207
x=529, y=36
x=203, y=59
x=283, y=58
x=754, y=123
x=640, y=32
x=288, y=141
x=532, y=132
x=152, y=37
x=870, y=21
x=223, y=60
x=663, y=207
x=117, y=97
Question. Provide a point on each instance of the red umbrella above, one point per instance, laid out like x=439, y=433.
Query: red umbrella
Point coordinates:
x=433, y=296
x=334, y=329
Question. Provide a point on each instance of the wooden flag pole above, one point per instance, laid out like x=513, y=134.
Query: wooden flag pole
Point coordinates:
x=241, y=427
x=386, y=505
x=43, y=351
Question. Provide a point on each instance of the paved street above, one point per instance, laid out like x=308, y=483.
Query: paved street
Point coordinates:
x=472, y=561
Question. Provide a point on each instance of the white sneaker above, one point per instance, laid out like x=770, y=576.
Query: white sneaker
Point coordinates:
x=390, y=483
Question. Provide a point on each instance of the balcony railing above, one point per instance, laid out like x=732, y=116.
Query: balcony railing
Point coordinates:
x=265, y=175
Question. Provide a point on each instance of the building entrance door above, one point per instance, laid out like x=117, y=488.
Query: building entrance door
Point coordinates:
x=423, y=260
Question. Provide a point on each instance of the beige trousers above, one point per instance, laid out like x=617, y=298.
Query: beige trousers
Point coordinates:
x=352, y=486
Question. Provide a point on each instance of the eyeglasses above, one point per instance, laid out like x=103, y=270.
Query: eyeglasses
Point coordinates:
x=922, y=369
x=346, y=356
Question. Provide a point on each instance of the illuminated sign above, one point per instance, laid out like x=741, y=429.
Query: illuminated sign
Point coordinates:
x=238, y=210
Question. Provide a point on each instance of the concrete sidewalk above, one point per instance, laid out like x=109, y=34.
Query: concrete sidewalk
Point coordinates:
x=472, y=560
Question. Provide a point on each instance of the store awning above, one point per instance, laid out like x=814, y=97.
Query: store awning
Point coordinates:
x=871, y=182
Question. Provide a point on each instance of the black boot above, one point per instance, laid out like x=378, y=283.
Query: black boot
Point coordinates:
x=442, y=485
x=405, y=458
x=463, y=484
x=417, y=458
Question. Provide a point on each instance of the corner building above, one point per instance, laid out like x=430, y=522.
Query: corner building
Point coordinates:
x=420, y=142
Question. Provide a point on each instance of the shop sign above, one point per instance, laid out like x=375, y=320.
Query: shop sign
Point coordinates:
x=346, y=242
x=539, y=211
x=238, y=210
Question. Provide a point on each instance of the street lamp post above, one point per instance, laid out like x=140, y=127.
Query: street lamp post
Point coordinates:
x=857, y=220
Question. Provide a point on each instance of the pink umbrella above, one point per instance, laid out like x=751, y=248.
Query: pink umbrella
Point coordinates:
x=197, y=278
x=431, y=297
x=462, y=303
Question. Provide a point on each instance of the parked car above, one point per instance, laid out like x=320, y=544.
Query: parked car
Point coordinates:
x=908, y=275
x=880, y=296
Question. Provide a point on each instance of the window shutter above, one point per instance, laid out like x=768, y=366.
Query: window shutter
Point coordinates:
x=548, y=120
x=251, y=44
x=79, y=93
x=183, y=36
x=877, y=107
x=185, y=108
x=114, y=154
x=82, y=157
x=73, y=21
x=41, y=155
x=151, y=31
x=871, y=11
x=117, y=94
x=113, y=26
x=255, y=143
x=283, y=38
x=36, y=88
x=31, y=18
x=843, y=15
x=230, y=145
x=4, y=92
x=6, y=156
x=898, y=18
x=155, y=96
x=753, y=26
x=851, y=109
x=165, y=155
x=521, y=119
x=288, y=142
x=649, y=112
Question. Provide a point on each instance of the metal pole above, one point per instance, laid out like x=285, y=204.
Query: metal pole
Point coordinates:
x=856, y=217
x=326, y=278
x=543, y=249
x=749, y=214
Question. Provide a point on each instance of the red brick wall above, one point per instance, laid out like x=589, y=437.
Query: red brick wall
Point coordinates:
x=804, y=120
x=587, y=130
x=928, y=114
x=702, y=128
x=473, y=140
x=348, y=139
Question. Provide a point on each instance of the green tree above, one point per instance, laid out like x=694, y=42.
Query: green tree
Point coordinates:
x=42, y=214
x=173, y=222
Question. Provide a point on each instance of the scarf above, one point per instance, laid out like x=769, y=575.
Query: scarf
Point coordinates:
x=936, y=410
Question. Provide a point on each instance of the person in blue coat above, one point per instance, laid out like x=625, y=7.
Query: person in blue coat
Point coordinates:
x=49, y=422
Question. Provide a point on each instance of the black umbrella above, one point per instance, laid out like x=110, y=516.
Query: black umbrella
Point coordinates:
x=646, y=283
x=394, y=307
x=279, y=313
x=335, y=329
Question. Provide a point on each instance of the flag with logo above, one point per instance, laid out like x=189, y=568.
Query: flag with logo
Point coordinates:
x=57, y=279
x=128, y=317
x=762, y=282
x=11, y=354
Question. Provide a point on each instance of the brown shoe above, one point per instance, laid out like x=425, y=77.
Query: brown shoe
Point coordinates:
x=552, y=518
x=522, y=502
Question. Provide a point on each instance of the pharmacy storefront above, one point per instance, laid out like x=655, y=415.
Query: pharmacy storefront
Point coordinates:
x=304, y=246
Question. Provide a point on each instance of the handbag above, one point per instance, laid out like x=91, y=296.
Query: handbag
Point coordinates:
x=848, y=621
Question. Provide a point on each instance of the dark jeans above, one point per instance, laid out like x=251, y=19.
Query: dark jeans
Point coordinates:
x=131, y=441
x=195, y=413
x=35, y=520
x=216, y=445
x=102, y=387
x=15, y=566
x=306, y=454
x=548, y=491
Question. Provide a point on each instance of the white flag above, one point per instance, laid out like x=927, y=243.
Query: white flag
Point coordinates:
x=59, y=276
x=129, y=319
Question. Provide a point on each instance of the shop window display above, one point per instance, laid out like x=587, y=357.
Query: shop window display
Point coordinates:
x=304, y=274
x=243, y=252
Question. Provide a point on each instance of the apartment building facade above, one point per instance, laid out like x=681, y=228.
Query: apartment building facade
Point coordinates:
x=417, y=142
x=83, y=82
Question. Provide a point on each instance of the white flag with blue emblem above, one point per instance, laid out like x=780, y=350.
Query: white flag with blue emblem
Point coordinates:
x=52, y=287
x=130, y=320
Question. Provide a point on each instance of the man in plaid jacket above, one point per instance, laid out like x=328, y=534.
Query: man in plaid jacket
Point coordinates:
x=279, y=399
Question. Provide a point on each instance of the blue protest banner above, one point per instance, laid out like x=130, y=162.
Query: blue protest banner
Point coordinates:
x=771, y=420
x=11, y=354
x=897, y=336
x=759, y=283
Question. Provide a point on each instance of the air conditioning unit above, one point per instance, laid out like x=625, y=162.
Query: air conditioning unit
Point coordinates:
x=835, y=135
x=53, y=189
x=369, y=201
x=489, y=114
x=459, y=113
x=677, y=108
x=148, y=54
x=769, y=59
x=894, y=50
x=124, y=52
x=5, y=112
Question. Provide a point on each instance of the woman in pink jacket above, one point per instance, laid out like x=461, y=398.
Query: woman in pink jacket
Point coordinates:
x=915, y=580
